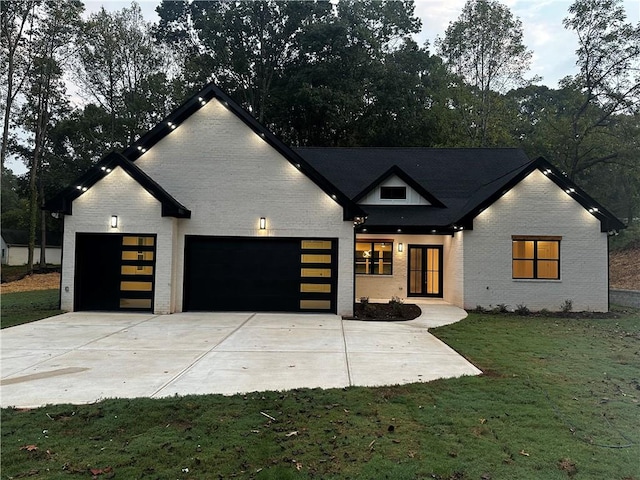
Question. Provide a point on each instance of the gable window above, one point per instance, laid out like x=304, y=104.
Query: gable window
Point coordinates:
x=536, y=257
x=393, y=193
x=374, y=258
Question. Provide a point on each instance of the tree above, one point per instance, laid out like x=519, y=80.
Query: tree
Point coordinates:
x=16, y=22
x=608, y=82
x=124, y=73
x=484, y=48
x=54, y=36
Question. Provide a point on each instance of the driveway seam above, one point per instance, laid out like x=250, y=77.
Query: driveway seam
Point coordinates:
x=346, y=353
x=200, y=357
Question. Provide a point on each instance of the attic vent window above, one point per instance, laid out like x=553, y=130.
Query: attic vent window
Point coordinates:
x=393, y=193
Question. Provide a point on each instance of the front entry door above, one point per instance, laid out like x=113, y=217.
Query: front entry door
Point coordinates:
x=425, y=271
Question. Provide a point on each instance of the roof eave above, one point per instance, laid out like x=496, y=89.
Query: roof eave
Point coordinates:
x=608, y=221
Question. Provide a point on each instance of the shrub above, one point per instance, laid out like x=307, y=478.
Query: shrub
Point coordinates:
x=370, y=311
x=480, y=309
x=566, y=306
x=522, y=310
x=396, y=306
x=501, y=308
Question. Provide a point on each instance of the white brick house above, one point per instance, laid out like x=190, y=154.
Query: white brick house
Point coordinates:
x=210, y=211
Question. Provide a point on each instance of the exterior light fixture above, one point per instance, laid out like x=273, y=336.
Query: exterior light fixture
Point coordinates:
x=263, y=223
x=114, y=221
x=400, y=247
x=171, y=125
x=84, y=189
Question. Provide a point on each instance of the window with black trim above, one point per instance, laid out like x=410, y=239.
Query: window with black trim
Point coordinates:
x=374, y=258
x=393, y=193
x=536, y=257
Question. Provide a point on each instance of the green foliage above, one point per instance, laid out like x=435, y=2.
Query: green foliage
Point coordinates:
x=522, y=310
x=544, y=407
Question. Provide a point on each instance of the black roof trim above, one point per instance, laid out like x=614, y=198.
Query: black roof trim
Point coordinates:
x=396, y=170
x=608, y=221
x=211, y=91
x=62, y=202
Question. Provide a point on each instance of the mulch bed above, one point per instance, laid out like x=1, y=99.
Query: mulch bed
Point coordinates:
x=43, y=281
x=385, y=312
x=624, y=268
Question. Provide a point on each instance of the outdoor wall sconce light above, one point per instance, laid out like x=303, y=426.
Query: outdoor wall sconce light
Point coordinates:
x=263, y=223
x=114, y=221
x=401, y=247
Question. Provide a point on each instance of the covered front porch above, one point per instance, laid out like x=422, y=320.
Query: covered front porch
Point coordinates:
x=409, y=266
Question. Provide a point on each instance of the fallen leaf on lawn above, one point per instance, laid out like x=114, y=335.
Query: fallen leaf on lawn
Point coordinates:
x=298, y=466
x=291, y=434
x=100, y=471
x=29, y=448
x=483, y=421
x=523, y=453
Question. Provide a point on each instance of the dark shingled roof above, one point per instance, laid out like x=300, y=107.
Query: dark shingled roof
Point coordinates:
x=463, y=180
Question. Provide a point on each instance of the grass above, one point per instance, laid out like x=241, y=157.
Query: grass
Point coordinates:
x=24, y=307
x=559, y=400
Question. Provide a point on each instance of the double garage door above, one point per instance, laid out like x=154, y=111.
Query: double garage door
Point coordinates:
x=117, y=272
x=260, y=274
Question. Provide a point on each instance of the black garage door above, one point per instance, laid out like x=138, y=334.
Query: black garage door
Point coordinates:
x=114, y=272
x=260, y=274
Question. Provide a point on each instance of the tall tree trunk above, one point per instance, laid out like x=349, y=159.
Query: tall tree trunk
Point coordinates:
x=43, y=229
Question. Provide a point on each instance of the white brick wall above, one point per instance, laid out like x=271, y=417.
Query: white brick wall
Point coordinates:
x=228, y=177
x=138, y=212
x=536, y=206
x=454, y=269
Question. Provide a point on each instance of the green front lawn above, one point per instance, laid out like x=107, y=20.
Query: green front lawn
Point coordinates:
x=559, y=400
x=24, y=307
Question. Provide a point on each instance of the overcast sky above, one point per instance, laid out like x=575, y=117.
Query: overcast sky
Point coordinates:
x=553, y=47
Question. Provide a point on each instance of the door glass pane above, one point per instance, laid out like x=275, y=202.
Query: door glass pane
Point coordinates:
x=315, y=258
x=136, y=270
x=315, y=272
x=135, y=303
x=316, y=244
x=315, y=304
x=415, y=271
x=141, y=241
x=137, y=256
x=315, y=288
x=136, y=286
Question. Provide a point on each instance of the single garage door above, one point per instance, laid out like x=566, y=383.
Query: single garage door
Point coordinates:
x=114, y=272
x=260, y=274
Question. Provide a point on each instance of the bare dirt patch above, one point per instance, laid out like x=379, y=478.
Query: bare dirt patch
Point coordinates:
x=42, y=281
x=624, y=269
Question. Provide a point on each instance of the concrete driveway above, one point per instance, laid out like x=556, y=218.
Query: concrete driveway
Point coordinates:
x=84, y=357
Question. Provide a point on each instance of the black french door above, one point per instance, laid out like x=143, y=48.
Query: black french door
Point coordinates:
x=425, y=271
